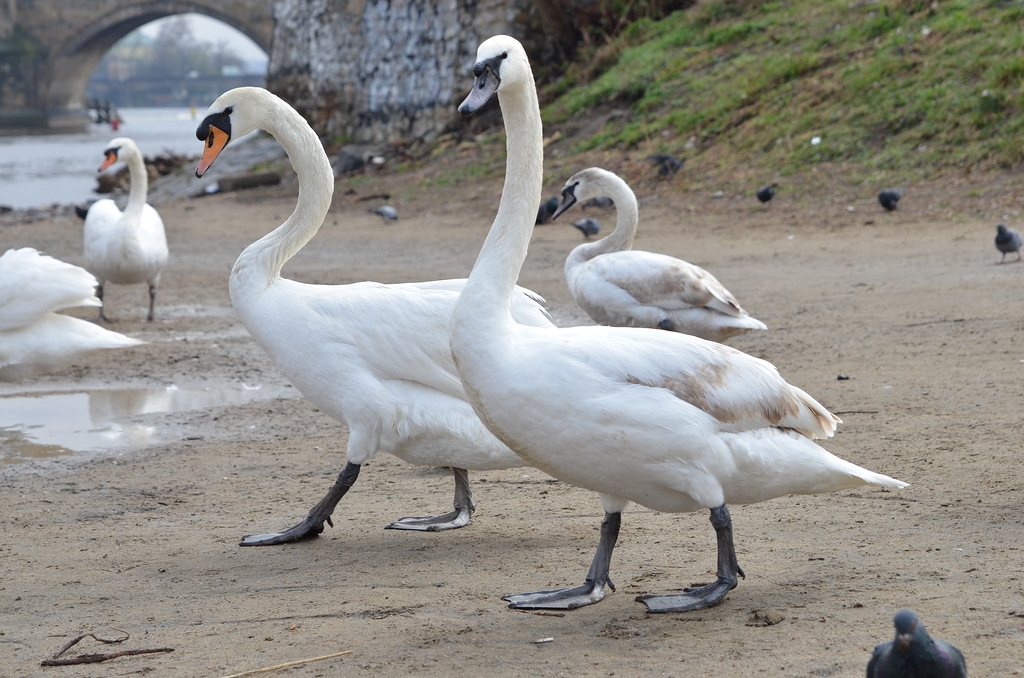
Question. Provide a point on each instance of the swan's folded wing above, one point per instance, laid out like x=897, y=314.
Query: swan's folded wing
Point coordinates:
x=740, y=391
x=666, y=282
x=33, y=284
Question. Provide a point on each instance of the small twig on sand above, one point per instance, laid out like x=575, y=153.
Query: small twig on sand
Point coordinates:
x=284, y=666
x=55, y=660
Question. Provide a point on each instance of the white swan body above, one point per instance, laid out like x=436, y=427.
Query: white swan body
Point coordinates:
x=620, y=286
x=33, y=337
x=373, y=356
x=125, y=247
x=667, y=420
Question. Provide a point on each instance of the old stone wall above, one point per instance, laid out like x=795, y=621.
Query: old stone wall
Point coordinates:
x=373, y=71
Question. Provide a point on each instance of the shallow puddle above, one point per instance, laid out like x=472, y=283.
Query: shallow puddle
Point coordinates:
x=55, y=423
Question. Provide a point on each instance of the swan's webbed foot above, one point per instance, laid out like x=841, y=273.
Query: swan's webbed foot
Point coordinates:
x=692, y=599
x=447, y=521
x=559, y=599
x=313, y=524
x=309, y=528
x=714, y=593
x=452, y=520
x=591, y=591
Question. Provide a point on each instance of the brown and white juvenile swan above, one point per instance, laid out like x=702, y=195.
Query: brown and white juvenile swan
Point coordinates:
x=663, y=419
x=617, y=285
x=125, y=247
x=373, y=356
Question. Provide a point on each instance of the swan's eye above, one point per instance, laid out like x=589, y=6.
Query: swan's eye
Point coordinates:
x=229, y=110
x=504, y=55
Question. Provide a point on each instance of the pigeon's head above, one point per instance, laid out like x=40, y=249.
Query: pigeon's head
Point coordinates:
x=908, y=626
x=501, y=63
x=1001, y=229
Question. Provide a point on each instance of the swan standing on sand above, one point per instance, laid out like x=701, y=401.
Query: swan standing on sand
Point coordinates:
x=125, y=247
x=620, y=286
x=373, y=356
x=666, y=420
x=33, y=337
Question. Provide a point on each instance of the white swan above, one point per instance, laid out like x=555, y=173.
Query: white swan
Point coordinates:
x=666, y=420
x=125, y=247
x=620, y=286
x=33, y=337
x=373, y=356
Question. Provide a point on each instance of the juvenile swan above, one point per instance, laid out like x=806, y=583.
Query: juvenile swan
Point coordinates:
x=373, y=356
x=125, y=247
x=620, y=286
x=666, y=420
x=33, y=336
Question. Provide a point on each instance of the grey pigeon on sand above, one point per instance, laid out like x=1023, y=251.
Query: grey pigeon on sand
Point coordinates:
x=547, y=208
x=588, y=226
x=386, y=212
x=766, y=193
x=914, y=654
x=889, y=197
x=1007, y=241
x=598, y=201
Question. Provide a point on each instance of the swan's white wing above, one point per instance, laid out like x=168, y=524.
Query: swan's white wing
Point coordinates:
x=740, y=391
x=658, y=280
x=32, y=284
x=52, y=343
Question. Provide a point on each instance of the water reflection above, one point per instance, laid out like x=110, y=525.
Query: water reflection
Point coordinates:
x=50, y=424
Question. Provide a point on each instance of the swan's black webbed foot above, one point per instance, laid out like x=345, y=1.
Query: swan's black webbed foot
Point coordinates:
x=559, y=599
x=452, y=520
x=313, y=524
x=714, y=593
x=309, y=528
x=591, y=591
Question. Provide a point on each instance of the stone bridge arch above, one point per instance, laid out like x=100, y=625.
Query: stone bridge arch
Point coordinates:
x=54, y=47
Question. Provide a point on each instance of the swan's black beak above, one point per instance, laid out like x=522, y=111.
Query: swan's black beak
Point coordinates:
x=568, y=199
x=487, y=82
x=109, y=158
x=215, y=131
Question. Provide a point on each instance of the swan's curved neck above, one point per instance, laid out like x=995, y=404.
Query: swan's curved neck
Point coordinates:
x=627, y=214
x=138, y=187
x=488, y=292
x=261, y=262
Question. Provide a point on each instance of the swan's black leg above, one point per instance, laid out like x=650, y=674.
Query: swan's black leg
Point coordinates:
x=712, y=594
x=152, y=301
x=591, y=591
x=99, y=295
x=313, y=524
x=464, y=508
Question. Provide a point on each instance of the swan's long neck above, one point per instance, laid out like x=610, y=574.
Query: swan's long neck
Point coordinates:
x=627, y=214
x=261, y=262
x=488, y=292
x=138, y=187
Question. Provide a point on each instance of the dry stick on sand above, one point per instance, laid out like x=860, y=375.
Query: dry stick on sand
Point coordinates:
x=284, y=666
x=96, y=658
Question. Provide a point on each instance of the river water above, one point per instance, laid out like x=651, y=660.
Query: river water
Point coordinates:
x=40, y=170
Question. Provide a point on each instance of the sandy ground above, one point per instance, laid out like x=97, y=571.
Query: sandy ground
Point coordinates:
x=910, y=306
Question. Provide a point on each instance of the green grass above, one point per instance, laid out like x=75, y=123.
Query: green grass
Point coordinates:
x=899, y=87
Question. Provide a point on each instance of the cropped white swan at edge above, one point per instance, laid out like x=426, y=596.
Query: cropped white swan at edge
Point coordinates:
x=666, y=420
x=125, y=247
x=35, y=338
x=373, y=356
x=617, y=285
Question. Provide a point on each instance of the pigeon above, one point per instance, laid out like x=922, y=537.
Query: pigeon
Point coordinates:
x=667, y=164
x=766, y=193
x=588, y=226
x=914, y=654
x=547, y=208
x=82, y=211
x=1007, y=241
x=386, y=212
x=599, y=201
x=889, y=197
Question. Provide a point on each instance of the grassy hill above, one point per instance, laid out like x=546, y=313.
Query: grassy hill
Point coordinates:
x=902, y=89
